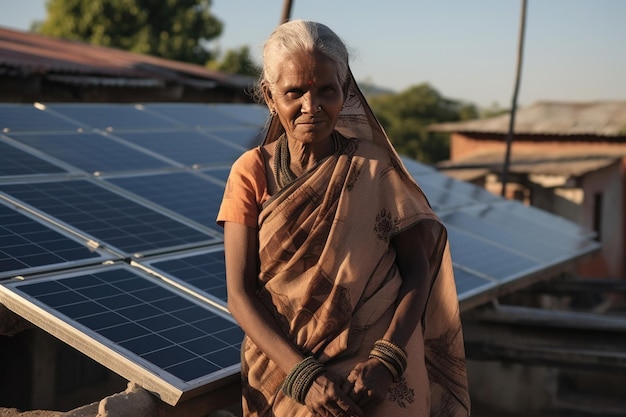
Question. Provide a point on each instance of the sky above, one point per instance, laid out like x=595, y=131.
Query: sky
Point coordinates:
x=574, y=50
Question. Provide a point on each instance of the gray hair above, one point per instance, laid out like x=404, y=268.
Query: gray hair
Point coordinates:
x=297, y=36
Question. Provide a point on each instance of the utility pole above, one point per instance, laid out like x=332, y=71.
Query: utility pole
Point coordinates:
x=286, y=11
x=518, y=76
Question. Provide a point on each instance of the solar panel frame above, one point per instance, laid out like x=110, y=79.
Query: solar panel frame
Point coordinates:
x=129, y=362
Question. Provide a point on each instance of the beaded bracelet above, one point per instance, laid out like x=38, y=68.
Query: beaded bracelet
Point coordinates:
x=301, y=377
x=392, y=356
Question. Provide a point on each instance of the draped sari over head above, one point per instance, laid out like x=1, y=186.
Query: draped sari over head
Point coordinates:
x=328, y=273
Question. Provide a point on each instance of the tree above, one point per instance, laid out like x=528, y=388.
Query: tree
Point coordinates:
x=237, y=61
x=172, y=29
x=406, y=116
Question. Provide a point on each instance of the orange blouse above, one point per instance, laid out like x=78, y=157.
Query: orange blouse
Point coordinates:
x=246, y=190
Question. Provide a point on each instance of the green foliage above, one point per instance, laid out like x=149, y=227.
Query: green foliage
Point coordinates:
x=172, y=29
x=237, y=61
x=406, y=116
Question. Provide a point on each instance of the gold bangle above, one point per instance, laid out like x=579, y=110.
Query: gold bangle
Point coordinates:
x=391, y=355
x=389, y=366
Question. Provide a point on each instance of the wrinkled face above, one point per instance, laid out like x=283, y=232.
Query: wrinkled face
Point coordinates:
x=307, y=82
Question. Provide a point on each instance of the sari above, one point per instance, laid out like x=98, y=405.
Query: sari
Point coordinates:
x=328, y=273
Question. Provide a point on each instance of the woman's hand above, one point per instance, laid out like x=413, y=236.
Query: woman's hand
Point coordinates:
x=368, y=383
x=326, y=398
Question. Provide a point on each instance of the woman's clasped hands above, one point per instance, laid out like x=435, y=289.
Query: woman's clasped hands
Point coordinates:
x=333, y=396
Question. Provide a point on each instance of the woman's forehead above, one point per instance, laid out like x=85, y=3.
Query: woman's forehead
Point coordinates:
x=307, y=67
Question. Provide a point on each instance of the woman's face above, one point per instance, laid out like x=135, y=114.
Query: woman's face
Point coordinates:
x=306, y=82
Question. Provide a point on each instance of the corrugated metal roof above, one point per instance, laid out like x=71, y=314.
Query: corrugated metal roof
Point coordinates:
x=564, y=162
x=598, y=118
x=24, y=54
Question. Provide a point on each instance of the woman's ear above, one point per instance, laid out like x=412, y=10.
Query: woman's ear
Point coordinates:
x=267, y=95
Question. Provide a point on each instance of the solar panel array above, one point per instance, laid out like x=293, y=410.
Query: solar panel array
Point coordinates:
x=108, y=238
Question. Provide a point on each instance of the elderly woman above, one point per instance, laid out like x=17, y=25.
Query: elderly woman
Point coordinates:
x=337, y=269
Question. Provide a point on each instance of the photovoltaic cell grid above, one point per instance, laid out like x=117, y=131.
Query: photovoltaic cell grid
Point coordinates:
x=186, y=147
x=195, y=115
x=91, y=152
x=246, y=138
x=149, y=323
x=184, y=193
x=14, y=162
x=252, y=115
x=106, y=216
x=27, y=118
x=203, y=272
x=28, y=245
x=112, y=117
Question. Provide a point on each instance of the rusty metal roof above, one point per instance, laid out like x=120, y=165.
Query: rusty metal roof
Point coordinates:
x=597, y=118
x=25, y=54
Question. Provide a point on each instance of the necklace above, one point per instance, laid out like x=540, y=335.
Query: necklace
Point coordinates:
x=282, y=161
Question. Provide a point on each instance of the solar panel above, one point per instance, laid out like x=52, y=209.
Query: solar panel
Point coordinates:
x=202, y=273
x=187, y=147
x=91, y=152
x=15, y=162
x=139, y=327
x=29, y=246
x=184, y=193
x=27, y=118
x=108, y=217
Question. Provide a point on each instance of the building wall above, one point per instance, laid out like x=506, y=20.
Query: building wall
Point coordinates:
x=610, y=184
